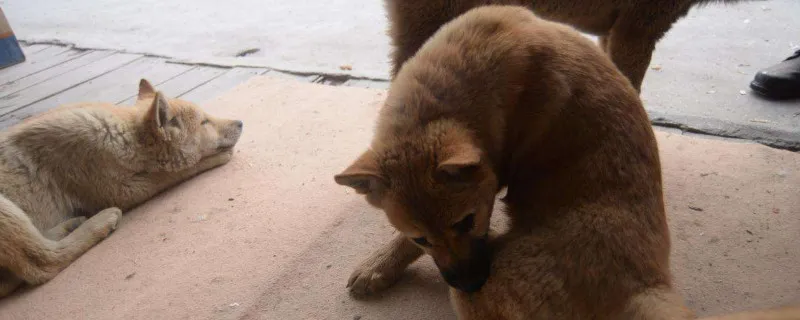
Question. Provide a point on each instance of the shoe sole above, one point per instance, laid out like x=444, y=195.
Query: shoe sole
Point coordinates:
x=763, y=91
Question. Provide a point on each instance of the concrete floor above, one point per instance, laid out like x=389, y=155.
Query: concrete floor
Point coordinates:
x=698, y=79
x=271, y=236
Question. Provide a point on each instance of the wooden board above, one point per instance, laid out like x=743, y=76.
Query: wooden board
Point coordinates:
x=366, y=84
x=221, y=84
x=284, y=75
x=11, y=89
x=114, y=86
x=183, y=83
x=64, y=81
x=34, y=48
x=38, y=62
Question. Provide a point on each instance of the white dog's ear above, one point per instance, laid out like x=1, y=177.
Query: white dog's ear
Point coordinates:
x=158, y=116
x=146, y=90
x=363, y=175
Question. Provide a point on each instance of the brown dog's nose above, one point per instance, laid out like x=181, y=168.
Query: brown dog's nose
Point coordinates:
x=471, y=274
x=238, y=124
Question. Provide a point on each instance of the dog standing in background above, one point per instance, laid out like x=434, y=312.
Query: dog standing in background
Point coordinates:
x=628, y=30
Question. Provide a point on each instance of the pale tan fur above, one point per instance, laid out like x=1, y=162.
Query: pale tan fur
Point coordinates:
x=94, y=160
x=500, y=98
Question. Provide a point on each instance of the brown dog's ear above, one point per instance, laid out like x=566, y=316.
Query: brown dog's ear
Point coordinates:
x=146, y=90
x=158, y=116
x=363, y=175
x=460, y=161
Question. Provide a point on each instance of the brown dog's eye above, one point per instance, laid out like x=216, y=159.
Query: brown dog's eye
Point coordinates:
x=174, y=122
x=206, y=121
x=466, y=224
x=422, y=241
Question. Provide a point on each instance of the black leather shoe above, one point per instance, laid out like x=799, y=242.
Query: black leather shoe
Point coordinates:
x=780, y=81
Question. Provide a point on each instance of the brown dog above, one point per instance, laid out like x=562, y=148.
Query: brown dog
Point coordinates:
x=499, y=98
x=628, y=30
x=98, y=160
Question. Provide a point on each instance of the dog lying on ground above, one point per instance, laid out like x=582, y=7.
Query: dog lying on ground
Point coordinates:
x=97, y=160
x=500, y=98
x=628, y=30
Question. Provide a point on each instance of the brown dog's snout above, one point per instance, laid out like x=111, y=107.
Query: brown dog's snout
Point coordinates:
x=469, y=274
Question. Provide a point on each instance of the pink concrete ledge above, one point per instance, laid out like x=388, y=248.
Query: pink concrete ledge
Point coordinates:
x=271, y=236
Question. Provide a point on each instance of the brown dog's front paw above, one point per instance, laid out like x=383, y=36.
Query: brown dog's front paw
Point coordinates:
x=371, y=278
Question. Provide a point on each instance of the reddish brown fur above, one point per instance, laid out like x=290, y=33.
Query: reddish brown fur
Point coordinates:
x=628, y=29
x=499, y=98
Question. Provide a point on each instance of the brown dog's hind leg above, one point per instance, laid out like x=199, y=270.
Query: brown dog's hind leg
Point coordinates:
x=63, y=229
x=384, y=267
x=35, y=259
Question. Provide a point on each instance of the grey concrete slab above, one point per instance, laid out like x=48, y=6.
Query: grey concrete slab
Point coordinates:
x=701, y=70
x=697, y=75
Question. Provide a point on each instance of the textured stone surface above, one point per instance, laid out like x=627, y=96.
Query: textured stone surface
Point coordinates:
x=271, y=236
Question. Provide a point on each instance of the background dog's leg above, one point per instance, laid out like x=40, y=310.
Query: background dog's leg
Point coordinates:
x=8, y=282
x=384, y=267
x=63, y=229
x=35, y=259
x=411, y=23
x=630, y=46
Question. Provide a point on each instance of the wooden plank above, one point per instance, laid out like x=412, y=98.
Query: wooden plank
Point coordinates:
x=11, y=89
x=39, y=62
x=183, y=83
x=114, y=86
x=284, y=75
x=34, y=48
x=221, y=84
x=64, y=81
x=366, y=84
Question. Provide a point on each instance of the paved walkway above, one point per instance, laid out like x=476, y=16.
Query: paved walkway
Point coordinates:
x=271, y=236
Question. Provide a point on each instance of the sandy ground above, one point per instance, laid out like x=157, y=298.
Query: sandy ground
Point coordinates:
x=271, y=236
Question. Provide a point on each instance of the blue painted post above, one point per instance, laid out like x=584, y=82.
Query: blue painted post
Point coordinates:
x=10, y=52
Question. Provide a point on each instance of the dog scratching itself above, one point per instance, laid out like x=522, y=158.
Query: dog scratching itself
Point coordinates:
x=628, y=30
x=98, y=160
x=500, y=98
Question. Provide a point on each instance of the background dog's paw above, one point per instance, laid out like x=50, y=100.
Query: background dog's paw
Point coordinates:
x=370, y=279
